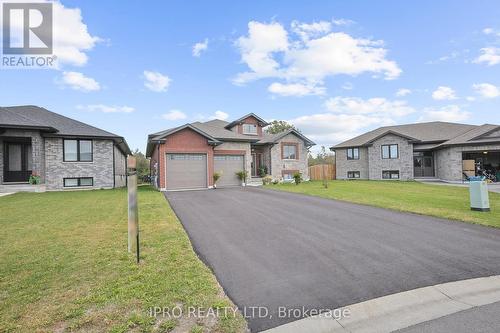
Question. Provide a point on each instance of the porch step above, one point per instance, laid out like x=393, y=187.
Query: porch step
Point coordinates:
x=254, y=181
x=14, y=188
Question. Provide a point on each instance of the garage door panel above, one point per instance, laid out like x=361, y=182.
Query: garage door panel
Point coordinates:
x=228, y=165
x=186, y=171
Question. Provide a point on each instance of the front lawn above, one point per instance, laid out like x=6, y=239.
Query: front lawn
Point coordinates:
x=64, y=266
x=437, y=200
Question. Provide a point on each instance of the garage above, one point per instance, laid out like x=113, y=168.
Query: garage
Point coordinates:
x=227, y=166
x=482, y=163
x=186, y=171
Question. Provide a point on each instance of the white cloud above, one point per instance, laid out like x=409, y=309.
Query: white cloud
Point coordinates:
x=174, y=115
x=270, y=52
x=295, y=89
x=257, y=50
x=491, y=31
x=342, y=21
x=156, y=81
x=220, y=115
x=78, y=81
x=200, y=47
x=106, y=108
x=328, y=128
x=307, y=31
x=403, y=92
x=486, y=90
x=470, y=98
x=444, y=93
x=450, y=113
x=489, y=55
x=376, y=106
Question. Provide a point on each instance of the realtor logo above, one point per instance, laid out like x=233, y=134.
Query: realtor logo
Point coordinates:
x=27, y=35
x=27, y=28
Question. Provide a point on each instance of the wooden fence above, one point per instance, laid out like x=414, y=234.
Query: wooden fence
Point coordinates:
x=316, y=172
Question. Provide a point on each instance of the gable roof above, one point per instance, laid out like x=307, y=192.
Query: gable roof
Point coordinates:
x=53, y=124
x=430, y=132
x=274, y=138
x=261, y=121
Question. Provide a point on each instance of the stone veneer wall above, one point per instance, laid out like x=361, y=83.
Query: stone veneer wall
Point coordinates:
x=343, y=165
x=448, y=161
x=404, y=163
x=37, y=147
x=101, y=168
x=120, y=168
x=278, y=164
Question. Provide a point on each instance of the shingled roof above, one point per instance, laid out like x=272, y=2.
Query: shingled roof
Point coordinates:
x=431, y=132
x=218, y=130
x=53, y=124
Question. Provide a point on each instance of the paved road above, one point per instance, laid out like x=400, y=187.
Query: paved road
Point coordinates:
x=483, y=319
x=273, y=249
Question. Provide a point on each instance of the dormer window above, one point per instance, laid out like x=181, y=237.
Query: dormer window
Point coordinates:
x=250, y=129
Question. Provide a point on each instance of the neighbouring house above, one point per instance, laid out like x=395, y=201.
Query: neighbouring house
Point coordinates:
x=441, y=150
x=187, y=156
x=64, y=153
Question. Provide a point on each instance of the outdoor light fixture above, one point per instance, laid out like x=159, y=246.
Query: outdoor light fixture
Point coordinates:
x=485, y=152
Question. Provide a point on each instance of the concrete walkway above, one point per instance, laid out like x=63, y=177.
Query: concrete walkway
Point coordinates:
x=402, y=310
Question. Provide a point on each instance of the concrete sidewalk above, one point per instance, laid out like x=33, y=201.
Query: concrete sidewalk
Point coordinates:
x=402, y=310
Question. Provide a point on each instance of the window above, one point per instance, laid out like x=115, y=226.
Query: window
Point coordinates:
x=287, y=176
x=77, y=182
x=289, y=152
x=228, y=158
x=249, y=129
x=353, y=174
x=390, y=151
x=186, y=157
x=353, y=153
x=77, y=150
x=390, y=174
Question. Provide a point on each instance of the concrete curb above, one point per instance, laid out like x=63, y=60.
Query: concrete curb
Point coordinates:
x=401, y=310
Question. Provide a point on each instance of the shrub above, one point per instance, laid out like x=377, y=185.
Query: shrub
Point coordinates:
x=34, y=179
x=297, y=177
x=242, y=175
x=263, y=171
x=267, y=180
x=217, y=176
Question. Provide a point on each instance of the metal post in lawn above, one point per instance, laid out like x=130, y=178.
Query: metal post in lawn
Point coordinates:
x=133, y=216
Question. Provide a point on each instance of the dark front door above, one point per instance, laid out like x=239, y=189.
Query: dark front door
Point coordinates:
x=17, y=162
x=423, y=164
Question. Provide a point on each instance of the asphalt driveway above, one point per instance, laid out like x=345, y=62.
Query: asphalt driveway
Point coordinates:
x=283, y=250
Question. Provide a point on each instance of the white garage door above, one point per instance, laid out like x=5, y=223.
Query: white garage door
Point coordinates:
x=185, y=171
x=228, y=165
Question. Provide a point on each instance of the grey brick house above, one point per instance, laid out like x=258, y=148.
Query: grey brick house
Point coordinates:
x=441, y=150
x=187, y=156
x=64, y=153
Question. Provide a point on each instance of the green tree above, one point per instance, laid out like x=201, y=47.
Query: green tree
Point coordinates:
x=278, y=126
x=323, y=157
x=142, y=164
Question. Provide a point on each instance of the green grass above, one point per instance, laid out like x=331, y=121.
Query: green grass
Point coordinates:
x=450, y=202
x=64, y=266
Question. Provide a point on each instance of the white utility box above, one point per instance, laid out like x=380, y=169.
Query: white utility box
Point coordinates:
x=479, y=199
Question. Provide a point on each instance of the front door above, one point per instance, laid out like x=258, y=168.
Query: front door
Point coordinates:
x=17, y=162
x=256, y=163
x=423, y=164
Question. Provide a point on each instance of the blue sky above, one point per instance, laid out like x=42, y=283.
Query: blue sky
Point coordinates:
x=333, y=68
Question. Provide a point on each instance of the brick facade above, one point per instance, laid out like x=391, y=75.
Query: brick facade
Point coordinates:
x=185, y=141
x=101, y=168
x=403, y=164
x=344, y=165
x=278, y=165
